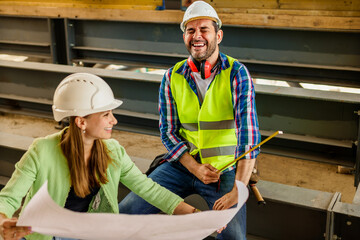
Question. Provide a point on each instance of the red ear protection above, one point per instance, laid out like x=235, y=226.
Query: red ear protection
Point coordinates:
x=204, y=67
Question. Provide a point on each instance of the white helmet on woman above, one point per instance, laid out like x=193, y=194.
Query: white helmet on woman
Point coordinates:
x=200, y=10
x=81, y=94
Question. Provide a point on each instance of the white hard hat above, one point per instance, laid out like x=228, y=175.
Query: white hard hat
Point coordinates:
x=81, y=94
x=200, y=10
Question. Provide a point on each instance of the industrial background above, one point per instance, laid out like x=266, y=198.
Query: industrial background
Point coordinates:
x=293, y=50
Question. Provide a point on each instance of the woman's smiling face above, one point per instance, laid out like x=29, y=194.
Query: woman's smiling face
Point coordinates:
x=99, y=125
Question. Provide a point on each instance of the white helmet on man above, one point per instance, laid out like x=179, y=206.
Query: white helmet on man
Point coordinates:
x=81, y=94
x=200, y=10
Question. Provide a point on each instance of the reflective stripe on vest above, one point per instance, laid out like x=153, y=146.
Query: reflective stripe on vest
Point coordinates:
x=220, y=151
x=210, y=129
x=226, y=124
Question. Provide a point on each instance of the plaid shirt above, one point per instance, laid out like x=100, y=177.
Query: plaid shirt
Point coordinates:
x=243, y=98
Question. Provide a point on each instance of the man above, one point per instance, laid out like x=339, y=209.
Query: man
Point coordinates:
x=207, y=118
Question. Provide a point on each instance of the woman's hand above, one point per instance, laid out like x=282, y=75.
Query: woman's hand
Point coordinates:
x=9, y=230
x=184, y=208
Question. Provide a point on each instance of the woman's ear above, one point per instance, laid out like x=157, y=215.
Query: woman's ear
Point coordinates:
x=80, y=122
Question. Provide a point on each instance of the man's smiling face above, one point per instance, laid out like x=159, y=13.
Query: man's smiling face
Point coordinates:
x=201, y=40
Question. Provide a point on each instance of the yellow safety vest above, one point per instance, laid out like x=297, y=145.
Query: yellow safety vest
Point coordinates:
x=210, y=129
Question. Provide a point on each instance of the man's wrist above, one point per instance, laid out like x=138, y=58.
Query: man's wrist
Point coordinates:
x=189, y=162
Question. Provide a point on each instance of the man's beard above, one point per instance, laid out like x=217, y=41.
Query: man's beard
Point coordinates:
x=203, y=55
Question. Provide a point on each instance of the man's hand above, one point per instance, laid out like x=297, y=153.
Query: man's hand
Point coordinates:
x=204, y=172
x=226, y=201
x=207, y=173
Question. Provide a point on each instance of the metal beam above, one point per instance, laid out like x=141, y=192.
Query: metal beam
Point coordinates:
x=290, y=212
x=12, y=147
x=346, y=221
x=357, y=143
x=318, y=125
x=295, y=55
x=329, y=57
x=30, y=37
x=356, y=199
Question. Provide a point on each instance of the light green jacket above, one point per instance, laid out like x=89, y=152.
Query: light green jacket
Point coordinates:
x=44, y=161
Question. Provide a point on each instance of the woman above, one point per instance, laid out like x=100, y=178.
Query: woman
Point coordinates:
x=82, y=165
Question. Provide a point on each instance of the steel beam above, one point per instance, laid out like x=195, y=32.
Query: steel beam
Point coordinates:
x=318, y=125
x=12, y=147
x=290, y=212
x=294, y=55
x=346, y=221
x=357, y=143
x=30, y=37
x=329, y=57
x=356, y=199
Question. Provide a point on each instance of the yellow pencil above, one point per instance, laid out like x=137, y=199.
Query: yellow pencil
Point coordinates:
x=261, y=143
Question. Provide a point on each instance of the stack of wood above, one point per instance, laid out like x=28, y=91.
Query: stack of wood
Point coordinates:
x=321, y=14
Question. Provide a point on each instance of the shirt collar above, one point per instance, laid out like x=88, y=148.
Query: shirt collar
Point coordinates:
x=185, y=68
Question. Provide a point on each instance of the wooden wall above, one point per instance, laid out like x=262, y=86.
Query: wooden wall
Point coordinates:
x=101, y=4
x=317, y=14
x=325, y=5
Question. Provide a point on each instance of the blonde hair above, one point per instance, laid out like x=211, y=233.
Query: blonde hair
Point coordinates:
x=84, y=176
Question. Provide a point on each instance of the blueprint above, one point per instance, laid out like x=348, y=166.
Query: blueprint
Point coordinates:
x=44, y=216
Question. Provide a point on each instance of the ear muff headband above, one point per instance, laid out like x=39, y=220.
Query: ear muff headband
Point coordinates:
x=194, y=65
x=204, y=67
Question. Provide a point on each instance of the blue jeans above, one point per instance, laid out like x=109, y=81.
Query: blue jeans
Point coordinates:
x=175, y=177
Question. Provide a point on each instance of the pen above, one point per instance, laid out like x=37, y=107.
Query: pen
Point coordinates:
x=252, y=149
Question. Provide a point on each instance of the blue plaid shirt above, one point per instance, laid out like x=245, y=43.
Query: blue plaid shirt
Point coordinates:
x=243, y=98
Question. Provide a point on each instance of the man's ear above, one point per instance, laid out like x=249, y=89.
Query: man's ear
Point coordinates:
x=80, y=122
x=219, y=35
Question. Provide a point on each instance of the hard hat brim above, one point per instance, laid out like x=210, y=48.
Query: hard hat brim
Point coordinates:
x=61, y=114
x=183, y=24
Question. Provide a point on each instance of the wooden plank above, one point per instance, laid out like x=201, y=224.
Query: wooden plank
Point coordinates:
x=168, y=16
x=259, y=4
x=290, y=12
x=320, y=5
x=292, y=21
x=97, y=4
x=175, y=16
x=333, y=5
x=80, y=6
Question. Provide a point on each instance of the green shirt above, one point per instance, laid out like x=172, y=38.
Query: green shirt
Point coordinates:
x=44, y=161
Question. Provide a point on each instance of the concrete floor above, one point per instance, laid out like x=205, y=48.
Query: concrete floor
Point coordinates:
x=289, y=171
